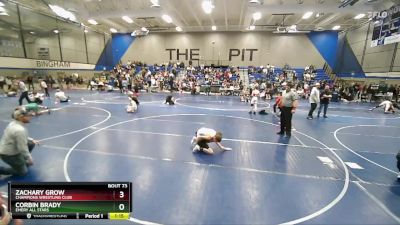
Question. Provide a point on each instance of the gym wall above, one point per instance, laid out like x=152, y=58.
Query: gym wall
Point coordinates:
x=275, y=49
x=374, y=59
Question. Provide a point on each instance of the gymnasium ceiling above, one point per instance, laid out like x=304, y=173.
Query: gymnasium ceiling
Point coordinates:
x=228, y=15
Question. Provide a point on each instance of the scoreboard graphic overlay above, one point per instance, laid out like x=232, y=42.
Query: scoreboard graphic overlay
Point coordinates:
x=70, y=200
x=386, y=27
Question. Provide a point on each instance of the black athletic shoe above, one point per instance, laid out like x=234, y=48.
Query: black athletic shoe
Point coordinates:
x=280, y=133
x=325, y=116
x=254, y=113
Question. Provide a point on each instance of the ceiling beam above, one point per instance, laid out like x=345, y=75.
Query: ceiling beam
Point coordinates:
x=212, y=21
x=117, y=26
x=193, y=13
x=151, y=12
x=226, y=16
x=328, y=20
x=327, y=7
x=172, y=9
x=241, y=11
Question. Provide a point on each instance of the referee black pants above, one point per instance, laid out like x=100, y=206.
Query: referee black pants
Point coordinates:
x=313, y=107
x=398, y=160
x=286, y=120
x=24, y=95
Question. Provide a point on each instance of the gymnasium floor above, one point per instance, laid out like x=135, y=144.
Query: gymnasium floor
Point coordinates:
x=265, y=179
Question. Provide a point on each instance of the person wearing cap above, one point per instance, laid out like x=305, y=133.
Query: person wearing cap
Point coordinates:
x=16, y=146
x=288, y=106
x=314, y=100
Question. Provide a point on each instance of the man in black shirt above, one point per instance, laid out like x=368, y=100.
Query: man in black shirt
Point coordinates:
x=326, y=95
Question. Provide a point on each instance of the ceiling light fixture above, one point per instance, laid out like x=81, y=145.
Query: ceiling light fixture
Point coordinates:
x=127, y=19
x=207, y=6
x=31, y=32
x=214, y=28
x=113, y=30
x=359, y=16
x=1, y=4
x=166, y=18
x=179, y=29
x=254, y=2
x=56, y=31
x=307, y=15
x=61, y=12
x=257, y=16
x=337, y=27
x=2, y=9
x=155, y=4
x=92, y=21
x=85, y=31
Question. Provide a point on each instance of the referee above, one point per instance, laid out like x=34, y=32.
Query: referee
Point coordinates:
x=288, y=106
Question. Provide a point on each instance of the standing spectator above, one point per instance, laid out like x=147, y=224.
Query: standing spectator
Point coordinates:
x=171, y=82
x=395, y=93
x=8, y=83
x=314, y=100
x=2, y=82
x=29, y=81
x=326, y=95
x=67, y=82
x=44, y=87
x=16, y=146
x=288, y=107
x=24, y=92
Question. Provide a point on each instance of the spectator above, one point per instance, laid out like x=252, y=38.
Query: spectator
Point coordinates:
x=314, y=100
x=24, y=92
x=29, y=81
x=326, y=95
x=16, y=146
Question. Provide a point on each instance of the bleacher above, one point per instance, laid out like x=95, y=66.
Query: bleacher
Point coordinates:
x=320, y=75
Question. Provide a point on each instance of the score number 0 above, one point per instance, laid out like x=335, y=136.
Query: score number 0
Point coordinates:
x=121, y=195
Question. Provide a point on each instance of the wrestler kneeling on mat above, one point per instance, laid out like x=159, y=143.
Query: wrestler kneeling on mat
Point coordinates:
x=203, y=137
